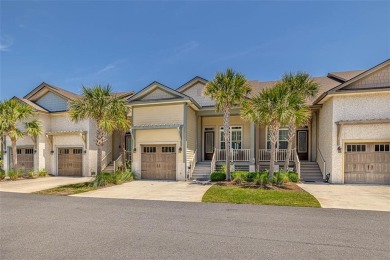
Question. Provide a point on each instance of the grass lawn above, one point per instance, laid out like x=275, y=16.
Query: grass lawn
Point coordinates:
x=68, y=189
x=253, y=195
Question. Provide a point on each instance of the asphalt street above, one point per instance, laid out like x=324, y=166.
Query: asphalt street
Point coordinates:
x=50, y=227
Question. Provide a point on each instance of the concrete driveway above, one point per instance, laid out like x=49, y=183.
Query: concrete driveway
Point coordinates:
x=33, y=185
x=362, y=197
x=152, y=190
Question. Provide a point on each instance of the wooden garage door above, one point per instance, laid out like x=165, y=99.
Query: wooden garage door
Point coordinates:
x=158, y=162
x=367, y=163
x=25, y=157
x=70, y=161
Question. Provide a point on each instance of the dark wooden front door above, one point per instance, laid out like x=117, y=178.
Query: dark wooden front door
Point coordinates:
x=208, y=145
x=303, y=144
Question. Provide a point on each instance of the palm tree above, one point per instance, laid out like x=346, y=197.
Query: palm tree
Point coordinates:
x=298, y=115
x=228, y=89
x=269, y=108
x=301, y=87
x=12, y=113
x=108, y=111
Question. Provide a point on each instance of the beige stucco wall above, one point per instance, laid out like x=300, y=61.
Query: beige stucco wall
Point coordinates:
x=351, y=107
x=158, y=136
x=158, y=115
x=358, y=107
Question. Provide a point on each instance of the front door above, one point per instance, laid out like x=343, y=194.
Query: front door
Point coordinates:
x=208, y=145
x=303, y=145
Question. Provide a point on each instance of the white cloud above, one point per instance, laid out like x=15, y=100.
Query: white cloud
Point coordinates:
x=6, y=42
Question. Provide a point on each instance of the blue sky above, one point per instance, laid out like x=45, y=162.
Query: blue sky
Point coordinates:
x=129, y=44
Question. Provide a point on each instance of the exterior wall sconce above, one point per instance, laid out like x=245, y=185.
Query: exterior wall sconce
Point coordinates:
x=85, y=151
x=134, y=150
x=52, y=152
x=35, y=150
x=339, y=149
x=180, y=149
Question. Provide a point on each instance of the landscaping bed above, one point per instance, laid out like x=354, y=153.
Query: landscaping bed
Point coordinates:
x=258, y=188
x=286, y=195
x=102, y=180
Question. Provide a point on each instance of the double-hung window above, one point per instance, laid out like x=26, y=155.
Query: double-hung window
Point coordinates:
x=235, y=137
x=282, y=139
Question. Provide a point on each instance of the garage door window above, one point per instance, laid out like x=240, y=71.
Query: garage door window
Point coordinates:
x=351, y=148
x=77, y=151
x=18, y=151
x=168, y=149
x=149, y=149
x=382, y=148
x=29, y=151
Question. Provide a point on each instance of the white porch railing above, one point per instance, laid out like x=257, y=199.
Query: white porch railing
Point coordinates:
x=213, y=162
x=106, y=160
x=118, y=162
x=280, y=156
x=192, y=163
x=321, y=163
x=236, y=155
x=128, y=156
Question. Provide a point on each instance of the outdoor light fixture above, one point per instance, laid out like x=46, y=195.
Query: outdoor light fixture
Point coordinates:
x=180, y=149
x=339, y=149
x=51, y=152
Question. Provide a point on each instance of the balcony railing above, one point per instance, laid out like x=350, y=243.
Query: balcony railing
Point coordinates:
x=280, y=155
x=236, y=155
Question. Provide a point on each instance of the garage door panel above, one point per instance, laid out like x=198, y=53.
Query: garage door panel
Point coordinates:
x=158, y=162
x=367, y=163
x=25, y=157
x=69, y=161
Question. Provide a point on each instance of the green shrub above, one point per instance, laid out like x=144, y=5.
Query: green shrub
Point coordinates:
x=13, y=175
x=293, y=177
x=239, y=177
x=118, y=177
x=218, y=176
x=280, y=178
x=103, y=179
x=127, y=175
x=223, y=169
x=32, y=174
x=261, y=178
x=42, y=173
x=2, y=174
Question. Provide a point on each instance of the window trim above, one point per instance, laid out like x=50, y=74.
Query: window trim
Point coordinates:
x=231, y=127
x=278, y=143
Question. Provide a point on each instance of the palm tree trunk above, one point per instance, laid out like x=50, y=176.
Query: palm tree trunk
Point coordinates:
x=14, y=155
x=291, y=134
x=273, y=132
x=226, y=130
x=99, y=144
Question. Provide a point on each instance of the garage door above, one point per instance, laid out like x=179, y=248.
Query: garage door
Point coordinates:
x=158, y=162
x=70, y=161
x=25, y=157
x=367, y=163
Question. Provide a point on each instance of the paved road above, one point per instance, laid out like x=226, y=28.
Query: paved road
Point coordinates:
x=49, y=227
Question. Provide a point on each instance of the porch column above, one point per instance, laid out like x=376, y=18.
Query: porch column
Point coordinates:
x=252, y=165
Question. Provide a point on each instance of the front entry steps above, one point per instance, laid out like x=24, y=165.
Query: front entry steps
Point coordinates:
x=311, y=172
x=201, y=171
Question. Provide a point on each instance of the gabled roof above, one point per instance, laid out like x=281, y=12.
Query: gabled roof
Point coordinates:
x=125, y=95
x=344, y=75
x=62, y=92
x=190, y=83
x=175, y=95
x=31, y=104
x=352, y=80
